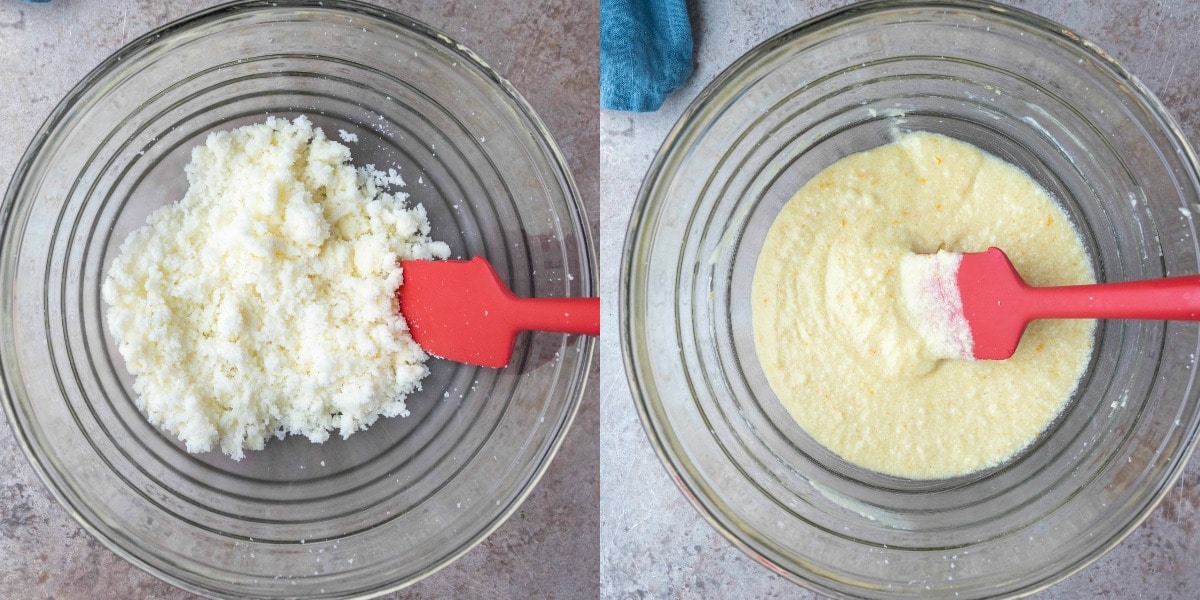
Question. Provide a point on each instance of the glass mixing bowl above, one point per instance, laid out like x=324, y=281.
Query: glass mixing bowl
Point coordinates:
x=349, y=517
x=1025, y=90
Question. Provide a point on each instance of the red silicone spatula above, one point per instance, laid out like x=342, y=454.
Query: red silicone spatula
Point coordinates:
x=998, y=304
x=460, y=310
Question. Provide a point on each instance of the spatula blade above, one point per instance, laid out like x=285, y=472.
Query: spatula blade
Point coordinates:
x=452, y=308
x=993, y=302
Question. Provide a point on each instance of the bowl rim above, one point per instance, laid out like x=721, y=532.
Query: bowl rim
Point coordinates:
x=711, y=95
x=589, y=278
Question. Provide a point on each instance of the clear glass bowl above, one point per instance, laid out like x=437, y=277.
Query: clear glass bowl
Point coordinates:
x=346, y=518
x=1021, y=88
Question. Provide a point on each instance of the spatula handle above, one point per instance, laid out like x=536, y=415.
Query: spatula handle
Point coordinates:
x=563, y=315
x=1172, y=298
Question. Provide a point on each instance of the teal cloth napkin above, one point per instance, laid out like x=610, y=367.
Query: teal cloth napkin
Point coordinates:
x=645, y=52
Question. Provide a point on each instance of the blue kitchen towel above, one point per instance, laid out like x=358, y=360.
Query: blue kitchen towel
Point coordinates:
x=645, y=52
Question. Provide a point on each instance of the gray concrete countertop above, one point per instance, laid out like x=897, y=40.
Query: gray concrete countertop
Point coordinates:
x=548, y=51
x=653, y=543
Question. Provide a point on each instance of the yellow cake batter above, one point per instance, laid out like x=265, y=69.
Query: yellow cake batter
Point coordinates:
x=843, y=354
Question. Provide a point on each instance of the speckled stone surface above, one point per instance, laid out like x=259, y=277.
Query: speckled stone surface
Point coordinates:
x=548, y=49
x=654, y=545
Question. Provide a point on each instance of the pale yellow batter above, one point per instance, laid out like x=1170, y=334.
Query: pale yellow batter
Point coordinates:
x=842, y=353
